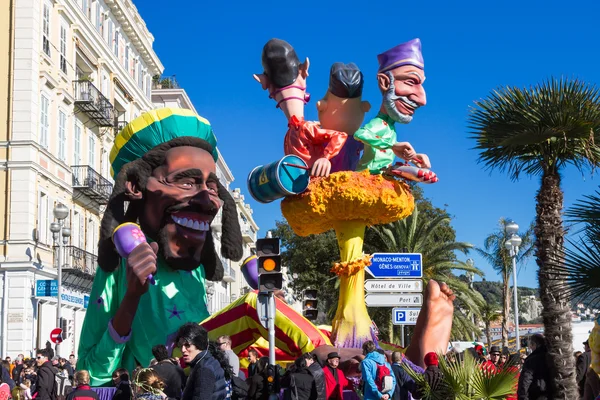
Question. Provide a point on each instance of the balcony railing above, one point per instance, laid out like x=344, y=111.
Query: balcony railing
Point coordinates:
x=92, y=102
x=120, y=125
x=79, y=267
x=89, y=182
x=248, y=234
x=164, y=82
x=228, y=275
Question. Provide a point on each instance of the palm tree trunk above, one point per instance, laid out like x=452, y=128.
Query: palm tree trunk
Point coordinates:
x=556, y=314
x=488, y=334
x=505, y=308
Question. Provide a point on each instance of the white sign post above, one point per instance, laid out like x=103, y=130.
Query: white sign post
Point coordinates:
x=393, y=300
x=394, y=285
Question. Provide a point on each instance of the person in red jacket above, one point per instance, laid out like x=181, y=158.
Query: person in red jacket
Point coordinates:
x=83, y=390
x=335, y=380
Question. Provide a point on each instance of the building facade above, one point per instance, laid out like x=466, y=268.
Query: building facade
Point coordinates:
x=80, y=70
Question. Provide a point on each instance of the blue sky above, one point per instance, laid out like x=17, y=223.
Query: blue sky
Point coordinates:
x=469, y=49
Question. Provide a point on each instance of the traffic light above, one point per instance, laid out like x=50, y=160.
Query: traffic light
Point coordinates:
x=270, y=277
x=64, y=325
x=272, y=379
x=70, y=328
x=309, y=304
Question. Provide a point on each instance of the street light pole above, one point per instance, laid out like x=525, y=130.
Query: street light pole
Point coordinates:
x=512, y=245
x=60, y=213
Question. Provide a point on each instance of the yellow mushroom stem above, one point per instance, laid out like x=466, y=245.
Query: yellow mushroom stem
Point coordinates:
x=351, y=325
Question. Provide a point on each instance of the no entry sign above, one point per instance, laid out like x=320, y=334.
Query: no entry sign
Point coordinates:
x=56, y=335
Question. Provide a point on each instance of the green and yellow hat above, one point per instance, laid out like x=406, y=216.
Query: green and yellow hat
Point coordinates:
x=156, y=127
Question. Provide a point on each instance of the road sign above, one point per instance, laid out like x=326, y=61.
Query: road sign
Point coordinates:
x=396, y=265
x=405, y=316
x=56, y=335
x=394, y=299
x=393, y=285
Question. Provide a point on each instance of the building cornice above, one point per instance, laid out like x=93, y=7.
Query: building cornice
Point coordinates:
x=135, y=27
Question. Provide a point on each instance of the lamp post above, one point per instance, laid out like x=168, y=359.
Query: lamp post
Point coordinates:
x=60, y=213
x=512, y=245
x=470, y=278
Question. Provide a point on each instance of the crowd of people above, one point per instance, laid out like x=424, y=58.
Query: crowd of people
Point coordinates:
x=214, y=373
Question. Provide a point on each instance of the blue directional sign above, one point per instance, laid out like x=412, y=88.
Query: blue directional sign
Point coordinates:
x=396, y=265
x=46, y=288
x=405, y=316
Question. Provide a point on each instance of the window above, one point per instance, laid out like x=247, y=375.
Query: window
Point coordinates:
x=91, y=150
x=105, y=84
x=98, y=17
x=62, y=135
x=63, y=48
x=140, y=77
x=87, y=8
x=132, y=67
x=126, y=65
x=44, y=121
x=77, y=145
x=46, y=28
x=148, y=87
x=75, y=233
x=43, y=210
x=109, y=32
x=116, y=47
x=105, y=164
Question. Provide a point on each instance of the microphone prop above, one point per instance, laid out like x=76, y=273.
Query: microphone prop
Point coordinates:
x=127, y=237
x=250, y=271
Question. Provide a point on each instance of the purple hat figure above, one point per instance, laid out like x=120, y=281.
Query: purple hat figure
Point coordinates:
x=408, y=53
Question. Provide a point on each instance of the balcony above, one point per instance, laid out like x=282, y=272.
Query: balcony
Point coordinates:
x=167, y=82
x=229, y=273
x=93, y=103
x=120, y=125
x=90, y=183
x=248, y=234
x=79, y=268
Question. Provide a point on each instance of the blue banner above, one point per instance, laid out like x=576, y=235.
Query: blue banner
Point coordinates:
x=49, y=288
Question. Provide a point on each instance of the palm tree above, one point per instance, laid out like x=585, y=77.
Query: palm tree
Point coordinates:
x=414, y=235
x=466, y=380
x=537, y=132
x=489, y=315
x=496, y=254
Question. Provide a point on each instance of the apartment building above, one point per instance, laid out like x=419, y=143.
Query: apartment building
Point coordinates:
x=79, y=70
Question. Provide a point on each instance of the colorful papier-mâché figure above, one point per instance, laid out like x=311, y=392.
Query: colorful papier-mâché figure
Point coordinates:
x=164, y=164
x=342, y=109
x=285, y=79
x=400, y=79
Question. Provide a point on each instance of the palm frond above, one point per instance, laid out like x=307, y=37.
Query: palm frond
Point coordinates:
x=537, y=129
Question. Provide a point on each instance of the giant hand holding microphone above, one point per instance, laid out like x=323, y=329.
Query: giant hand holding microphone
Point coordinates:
x=126, y=238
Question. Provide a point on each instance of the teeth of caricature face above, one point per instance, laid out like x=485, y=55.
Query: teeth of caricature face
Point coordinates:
x=190, y=223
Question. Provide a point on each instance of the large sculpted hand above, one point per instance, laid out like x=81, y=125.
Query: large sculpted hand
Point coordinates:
x=140, y=263
x=404, y=150
x=422, y=161
x=321, y=167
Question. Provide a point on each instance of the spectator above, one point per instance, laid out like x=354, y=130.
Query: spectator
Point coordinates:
x=253, y=358
x=121, y=381
x=316, y=370
x=19, y=365
x=18, y=393
x=63, y=381
x=405, y=385
x=535, y=382
x=432, y=374
x=5, y=377
x=335, y=380
x=62, y=362
x=582, y=366
x=46, y=386
x=372, y=362
x=82, y=387
x=592, y=385
x=26, y=386
x=224, y=343
x=299, y=381
x=211, y=372
x=257, y=384
x=73, y=361
x=170, y=373
x=148, y=385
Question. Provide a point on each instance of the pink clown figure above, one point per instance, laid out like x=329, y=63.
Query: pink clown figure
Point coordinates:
x=285, y=79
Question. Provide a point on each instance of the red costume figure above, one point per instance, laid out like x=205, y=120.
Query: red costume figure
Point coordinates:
x=335, y=380
x=285, y=79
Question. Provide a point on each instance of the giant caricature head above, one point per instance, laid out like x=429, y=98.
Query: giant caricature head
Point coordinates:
x=165, y=167
x=342, y=109
x=400, y=79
